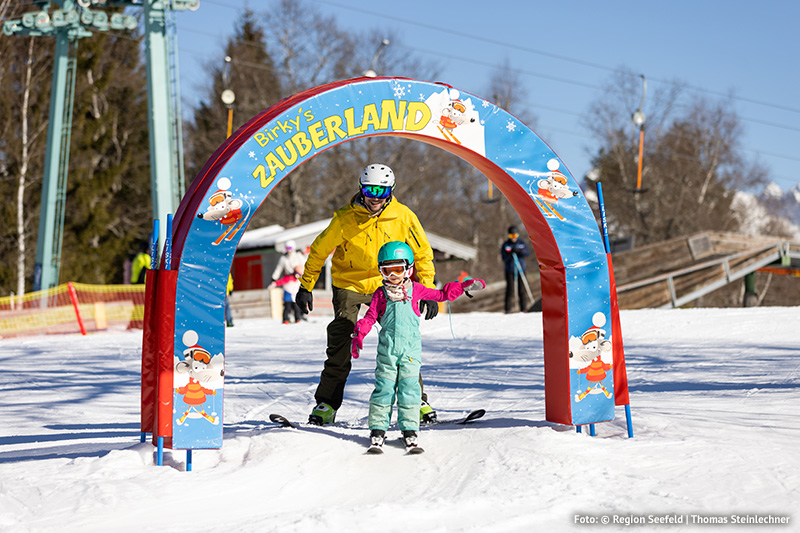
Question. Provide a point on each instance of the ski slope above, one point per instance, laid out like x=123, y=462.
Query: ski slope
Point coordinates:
x=714, y=398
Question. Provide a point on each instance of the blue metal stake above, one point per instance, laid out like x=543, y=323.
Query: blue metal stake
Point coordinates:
x=143, y=437
x=628, y=419
x=578, y=429
x=168, y=244
x=608, y=248
x=154, y=246
x=160, y=452
x=188, y=460
x=591, y=430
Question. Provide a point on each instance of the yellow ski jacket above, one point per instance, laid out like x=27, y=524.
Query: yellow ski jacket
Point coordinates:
x=356, y=238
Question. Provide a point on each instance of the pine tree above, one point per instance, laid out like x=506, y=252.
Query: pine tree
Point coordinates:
x=250, y=74
x=108, y=208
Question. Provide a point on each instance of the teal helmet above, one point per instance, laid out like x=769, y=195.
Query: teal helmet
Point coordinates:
x=395, y=251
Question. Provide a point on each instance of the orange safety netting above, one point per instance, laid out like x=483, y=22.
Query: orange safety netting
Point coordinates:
x=97, y=307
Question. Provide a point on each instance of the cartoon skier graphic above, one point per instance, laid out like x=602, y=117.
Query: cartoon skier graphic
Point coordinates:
x=201, y=368
x=550, y=189
x=454, y=114
x=225, y=209
x=595, y=374
x=591, y=346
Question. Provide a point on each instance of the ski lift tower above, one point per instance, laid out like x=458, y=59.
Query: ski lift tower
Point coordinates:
x=68, y=21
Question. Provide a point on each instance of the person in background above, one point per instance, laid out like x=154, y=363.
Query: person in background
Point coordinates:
x=355, y=234
x=139, y=266
x=514, y=252
x=285, y=275
x=228, y=292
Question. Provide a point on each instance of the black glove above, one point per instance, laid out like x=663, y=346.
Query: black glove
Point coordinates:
x=304, y=300
x=429, y=307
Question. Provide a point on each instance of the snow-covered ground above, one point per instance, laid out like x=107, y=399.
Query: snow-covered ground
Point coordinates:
x=715, y=396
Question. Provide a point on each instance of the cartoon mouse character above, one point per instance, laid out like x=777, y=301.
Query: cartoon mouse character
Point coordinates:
x=225, y=209
x=590, y=348
x=454, y=114
x=200, y=366
x=595, y=374
x=552, y=188
x=592, y=343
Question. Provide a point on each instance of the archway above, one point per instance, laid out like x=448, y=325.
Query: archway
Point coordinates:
x=187, y=308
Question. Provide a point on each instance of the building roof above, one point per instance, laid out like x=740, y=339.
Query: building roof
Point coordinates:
x=275, y=236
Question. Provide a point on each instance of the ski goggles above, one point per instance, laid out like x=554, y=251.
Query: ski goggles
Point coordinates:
x=376, y=191
x=513, y=235
x=201, y=356
x=396, y=268
x=592, y=335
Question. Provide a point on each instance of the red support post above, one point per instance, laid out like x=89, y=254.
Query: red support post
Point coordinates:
x=73, y=296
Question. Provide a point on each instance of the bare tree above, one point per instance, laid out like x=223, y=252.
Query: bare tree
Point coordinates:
x=692, y=161
x=24, y=90
x=26, y=139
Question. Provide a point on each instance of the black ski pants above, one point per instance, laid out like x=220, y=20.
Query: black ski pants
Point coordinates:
x=514, y=283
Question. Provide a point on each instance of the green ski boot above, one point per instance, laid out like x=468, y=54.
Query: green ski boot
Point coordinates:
x=322, y=414
x=426, y=414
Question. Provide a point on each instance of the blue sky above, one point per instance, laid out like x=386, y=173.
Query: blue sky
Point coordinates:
x=566, y=50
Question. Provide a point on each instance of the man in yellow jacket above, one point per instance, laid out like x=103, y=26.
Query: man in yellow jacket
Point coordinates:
x=358, y=230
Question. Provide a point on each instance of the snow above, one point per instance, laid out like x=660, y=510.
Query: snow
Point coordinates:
x=714, y=394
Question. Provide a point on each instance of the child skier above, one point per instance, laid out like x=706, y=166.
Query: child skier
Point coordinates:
x=396, y=306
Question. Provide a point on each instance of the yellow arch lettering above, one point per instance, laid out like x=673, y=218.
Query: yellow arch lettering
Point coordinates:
x=389, y=111
x=371, y=118
x=419, y=114
x=300, y=140
x=351, y=123
x=274, y=165
x=317, y=136
x=261, y=139
x=290, y=160
x=260, y=174
x=332, y=124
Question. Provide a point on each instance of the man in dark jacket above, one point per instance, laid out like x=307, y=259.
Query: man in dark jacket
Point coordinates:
x=513, y=253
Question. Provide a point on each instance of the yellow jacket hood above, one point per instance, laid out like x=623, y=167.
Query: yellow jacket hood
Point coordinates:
x=354, y=237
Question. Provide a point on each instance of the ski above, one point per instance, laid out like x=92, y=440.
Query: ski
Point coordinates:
x=375, y=449
x=282, y=420
x=414, y=450
x=474, y=415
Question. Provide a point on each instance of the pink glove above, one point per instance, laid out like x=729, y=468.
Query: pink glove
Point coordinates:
x=473, y=284
x=356, y=345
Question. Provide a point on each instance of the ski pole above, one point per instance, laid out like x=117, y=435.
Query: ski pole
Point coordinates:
x=522, y=275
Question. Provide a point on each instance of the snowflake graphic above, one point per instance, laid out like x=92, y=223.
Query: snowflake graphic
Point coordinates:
x=486, y=104
x=399, y=91
x=510, y=126
x=251, y=154
x=421, y=97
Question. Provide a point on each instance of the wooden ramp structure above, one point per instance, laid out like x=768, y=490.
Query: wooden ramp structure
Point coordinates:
x=676, y=272
x=673, y=273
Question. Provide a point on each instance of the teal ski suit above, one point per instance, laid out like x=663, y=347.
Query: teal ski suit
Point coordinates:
x=399, y=352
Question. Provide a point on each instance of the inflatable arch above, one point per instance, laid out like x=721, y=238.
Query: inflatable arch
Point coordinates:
x=184, y=338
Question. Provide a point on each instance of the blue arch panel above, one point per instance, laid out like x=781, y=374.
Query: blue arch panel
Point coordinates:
x=237, y=179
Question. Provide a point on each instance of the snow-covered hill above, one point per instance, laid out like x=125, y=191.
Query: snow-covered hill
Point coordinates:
x=714, y=395
x=772, y=211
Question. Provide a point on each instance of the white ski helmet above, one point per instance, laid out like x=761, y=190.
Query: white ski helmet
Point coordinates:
x=377, y=174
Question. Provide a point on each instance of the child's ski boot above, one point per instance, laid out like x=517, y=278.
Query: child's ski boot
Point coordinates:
x=426, y=413
x=376, y=440
x=322, y=414
x=410, y=440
